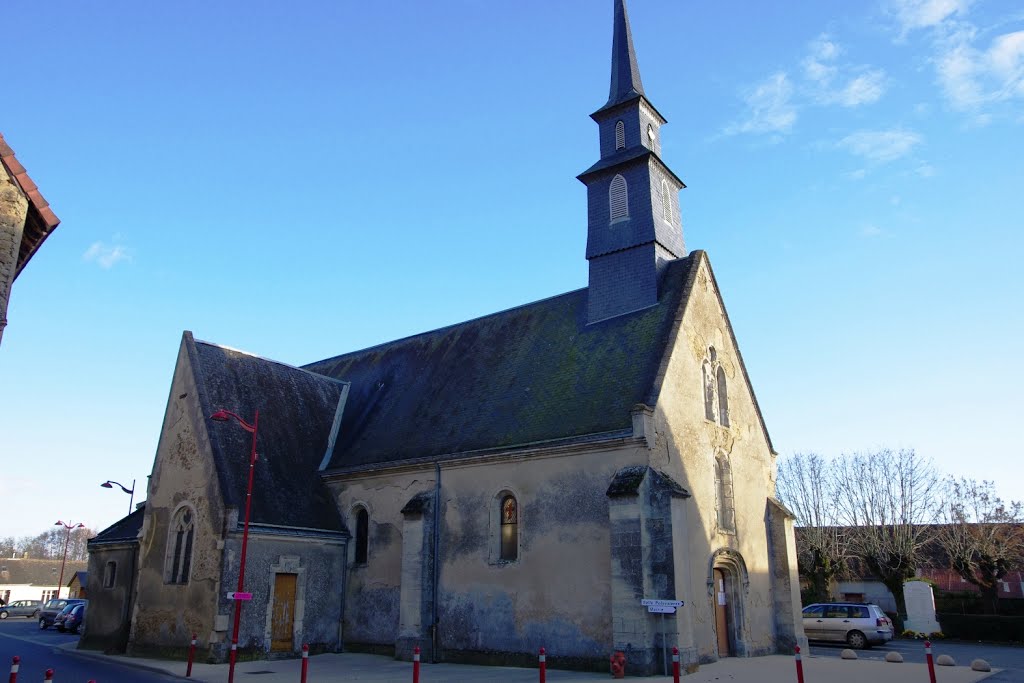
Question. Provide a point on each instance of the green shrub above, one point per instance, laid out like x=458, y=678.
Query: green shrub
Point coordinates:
x=982, y=627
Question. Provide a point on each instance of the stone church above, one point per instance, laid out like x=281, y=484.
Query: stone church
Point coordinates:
x=520, y=480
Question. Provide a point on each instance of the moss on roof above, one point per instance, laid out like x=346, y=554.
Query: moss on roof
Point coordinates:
x=530, y=374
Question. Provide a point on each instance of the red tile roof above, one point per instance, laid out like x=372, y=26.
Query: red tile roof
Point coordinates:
x=41, y=220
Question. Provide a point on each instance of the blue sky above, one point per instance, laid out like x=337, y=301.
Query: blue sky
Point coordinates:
x=304, y=179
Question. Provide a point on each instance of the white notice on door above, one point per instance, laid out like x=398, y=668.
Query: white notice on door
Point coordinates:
x=721, y=597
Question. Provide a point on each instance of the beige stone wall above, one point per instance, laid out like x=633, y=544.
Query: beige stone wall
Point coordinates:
x=686, y=446
x=13, y=207
x=556, y=594
x=165, y=615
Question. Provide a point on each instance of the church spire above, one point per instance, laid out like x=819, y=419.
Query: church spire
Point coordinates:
x=634, y=226
x=625, y=71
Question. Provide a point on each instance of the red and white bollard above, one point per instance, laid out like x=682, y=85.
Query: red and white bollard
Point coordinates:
x=305, y=661
x=15, y=663
x=48, y=676
x=675, y=665
x=191, y=656
x=416, y=664
x=931, y=664
x=542, y=661
x=799, y=666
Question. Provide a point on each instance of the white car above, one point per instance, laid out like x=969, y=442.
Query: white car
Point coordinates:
x=858, y=625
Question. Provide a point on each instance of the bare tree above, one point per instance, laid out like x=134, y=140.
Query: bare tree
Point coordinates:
x=982, y=536
x=49, y=545
x=889, y=499
x=806, y=486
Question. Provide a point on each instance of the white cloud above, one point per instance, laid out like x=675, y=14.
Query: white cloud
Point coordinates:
x=972, y=78
x=880, y=146
x=870, y=230
x=864, y=89
x=823, y=74
x=106, y=256
x=769, y=107
x=915, y=14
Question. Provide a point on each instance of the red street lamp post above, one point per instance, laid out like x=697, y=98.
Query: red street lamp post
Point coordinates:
x=67, y=539
x=108, y=484
x=222, y=416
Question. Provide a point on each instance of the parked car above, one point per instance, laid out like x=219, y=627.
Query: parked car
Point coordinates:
x=858, y=625
x=58, y=621
x=75, y=618
x=50, y=610
x=21, y=608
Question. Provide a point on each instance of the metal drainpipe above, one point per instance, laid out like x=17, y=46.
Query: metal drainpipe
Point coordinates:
x=437, y=551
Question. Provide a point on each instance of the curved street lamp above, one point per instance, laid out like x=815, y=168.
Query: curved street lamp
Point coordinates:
x=67, y=538
x=223, y=416
x=108, y=484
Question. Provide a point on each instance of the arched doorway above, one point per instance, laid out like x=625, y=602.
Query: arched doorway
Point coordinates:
x=727, y=589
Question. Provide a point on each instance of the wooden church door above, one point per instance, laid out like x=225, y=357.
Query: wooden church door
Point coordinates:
x=282, y=622
x=721, y=614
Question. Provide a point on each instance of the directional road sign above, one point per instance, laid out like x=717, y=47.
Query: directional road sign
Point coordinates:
x=661, y=609
x=648, y=602
x=235, y=595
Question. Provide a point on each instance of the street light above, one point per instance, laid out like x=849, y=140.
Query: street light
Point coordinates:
x=223, y=416
x=131, y=492
x=67, y=538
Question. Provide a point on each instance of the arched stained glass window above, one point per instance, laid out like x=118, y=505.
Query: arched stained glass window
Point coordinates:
x=723, y=399
x=509, y=528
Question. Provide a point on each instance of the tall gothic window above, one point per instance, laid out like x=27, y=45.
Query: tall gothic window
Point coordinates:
x=182, y=533
x=509, y=529
x=618, y=199
x=723, y=399
x=620, y=136
x=709, y=391
x=724, y=494
x=362, y=535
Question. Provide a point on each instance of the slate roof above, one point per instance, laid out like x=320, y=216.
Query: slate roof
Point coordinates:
x=535, y=373
x=83, y=579
x=296, y=416
x=625, y=83
x=41, y=220
x=19, y=572
x=124, y=530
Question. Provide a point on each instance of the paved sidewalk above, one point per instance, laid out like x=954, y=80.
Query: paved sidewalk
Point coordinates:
x=375, y=668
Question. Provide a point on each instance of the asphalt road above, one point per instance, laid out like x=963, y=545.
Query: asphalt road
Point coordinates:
x=39, y=651
x=1008, y=657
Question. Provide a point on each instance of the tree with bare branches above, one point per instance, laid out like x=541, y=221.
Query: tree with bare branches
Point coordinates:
x=982, y=536
x=805, y=485
x=889, y=500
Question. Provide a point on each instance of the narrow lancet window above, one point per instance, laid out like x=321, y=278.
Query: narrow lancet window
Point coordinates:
x=723, y=399
x=620, y=136
x=182, y=532
x=362, y=535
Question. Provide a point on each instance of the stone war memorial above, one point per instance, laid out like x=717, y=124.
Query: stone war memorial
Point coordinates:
x=920, y=608
x=590, y=473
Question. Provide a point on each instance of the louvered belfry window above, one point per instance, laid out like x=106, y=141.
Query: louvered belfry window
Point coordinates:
x=620, y=136
x=666, y=201
x=618, y=199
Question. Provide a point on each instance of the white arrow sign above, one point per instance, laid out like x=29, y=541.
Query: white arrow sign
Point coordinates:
x=649, y=602
x=661, y=609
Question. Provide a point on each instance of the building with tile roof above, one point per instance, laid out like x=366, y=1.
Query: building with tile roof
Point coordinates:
x=26, y=220
x=531, y=478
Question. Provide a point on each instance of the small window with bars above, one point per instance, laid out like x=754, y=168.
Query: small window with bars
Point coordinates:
x=666, y=201
x=620, y=135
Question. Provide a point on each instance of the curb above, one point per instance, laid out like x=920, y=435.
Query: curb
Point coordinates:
x=71, y=649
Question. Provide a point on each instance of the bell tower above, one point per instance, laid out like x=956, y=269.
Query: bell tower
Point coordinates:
x=634, y=226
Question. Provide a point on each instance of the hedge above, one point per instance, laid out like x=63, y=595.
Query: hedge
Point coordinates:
x=982, y=627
